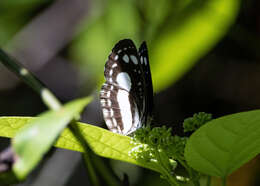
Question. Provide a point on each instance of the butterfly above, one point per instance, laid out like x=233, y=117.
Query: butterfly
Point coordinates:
x=127, y=95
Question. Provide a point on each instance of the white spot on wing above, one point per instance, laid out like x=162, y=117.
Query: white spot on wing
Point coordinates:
x=126, y=58
x=108, y=93
x=109, y=123
x=116, y=57
x=102, y=92
x=111, y=113
x=114, y=121
x=103, y=102
x=124, y=80
x=111, y=72
x=137, y=122
x=109, y=103
x=114, y=65
x=145, y=61
x=134, y=59
x=105, y=112
x=141, y=60
x=125, y=110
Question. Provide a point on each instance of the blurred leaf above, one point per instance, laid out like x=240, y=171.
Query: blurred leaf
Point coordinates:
x=14, y=15
x=188, y=38
x=36, y=138
x=101, y=141
x=22, y=4
x=92, y=47
x=11, y=26
x=224, y=144
x=181, y=32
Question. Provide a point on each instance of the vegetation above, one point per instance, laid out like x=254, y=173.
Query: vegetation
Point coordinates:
x=178, y=34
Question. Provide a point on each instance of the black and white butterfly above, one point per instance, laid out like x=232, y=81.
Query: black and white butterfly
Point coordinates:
x=127, y=95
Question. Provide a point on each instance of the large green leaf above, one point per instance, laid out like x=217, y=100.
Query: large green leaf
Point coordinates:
x=35, y=139
x=101, y=141
x=224, y=144
x=188, y=37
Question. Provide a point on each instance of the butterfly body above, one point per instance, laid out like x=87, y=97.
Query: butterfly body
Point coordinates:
x=127, y=95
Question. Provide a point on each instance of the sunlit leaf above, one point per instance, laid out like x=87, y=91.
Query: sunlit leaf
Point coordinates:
x=101, y=141
x=225, y=144
x=190, y=37
x=35, y=139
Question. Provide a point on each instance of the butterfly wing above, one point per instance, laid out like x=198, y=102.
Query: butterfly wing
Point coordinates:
x=148, y=89
x=122, y=95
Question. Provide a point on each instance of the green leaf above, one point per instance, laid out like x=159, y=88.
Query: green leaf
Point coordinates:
x=14, y=15
x=91, y=49
x=101, y=141
x=223, y=145
x=188, y=37
x=36, y=138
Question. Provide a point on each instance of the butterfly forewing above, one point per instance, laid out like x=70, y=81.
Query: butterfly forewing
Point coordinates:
x=124, y=95
x=148, y=89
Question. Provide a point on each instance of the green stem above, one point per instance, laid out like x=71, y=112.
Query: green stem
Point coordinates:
x=92, y=174
x=185, y=166
x=224, y=181
x=107, y=174
x=165, y=170
x=87, y=155
x=91, y=160
x=194, y=181
x=208, y=180
x=47, y=96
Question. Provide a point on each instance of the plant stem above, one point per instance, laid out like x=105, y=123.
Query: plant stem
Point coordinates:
x=87, y=155
x=92, y=174
x=107, y=174
x=165, y=169
x=224, y=180
x=208, y=180
x=185, y=166
x=93, y=162
x=13, y=65
x=194, y=181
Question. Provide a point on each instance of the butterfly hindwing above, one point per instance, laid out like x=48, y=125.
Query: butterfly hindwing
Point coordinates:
x=123, y=96
x=119, y=109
